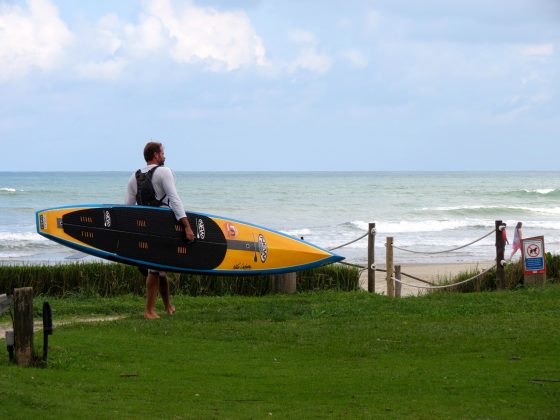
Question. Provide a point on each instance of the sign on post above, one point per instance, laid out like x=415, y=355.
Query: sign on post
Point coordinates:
x=534, y=259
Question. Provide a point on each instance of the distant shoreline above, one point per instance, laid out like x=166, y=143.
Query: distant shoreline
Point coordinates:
x=226, y=171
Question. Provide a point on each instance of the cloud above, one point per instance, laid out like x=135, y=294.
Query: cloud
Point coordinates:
x=35, y=37
x=356, y=58
x=223, y=40
x=373, y=19
x=31, y=37
x=538, y=50
x=308, y=58
x=102, y=70
x=100, y=52
x=165, y=31
x=186, y=34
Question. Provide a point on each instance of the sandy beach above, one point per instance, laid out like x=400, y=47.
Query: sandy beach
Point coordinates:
x=430, y=272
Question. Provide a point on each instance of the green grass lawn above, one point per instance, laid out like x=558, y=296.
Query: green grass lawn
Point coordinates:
x=329, y=354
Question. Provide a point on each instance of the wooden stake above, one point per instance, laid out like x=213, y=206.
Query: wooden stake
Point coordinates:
x=371, y=258
x=284, y=283
x=500, y=249
x=23, y=325
x=398, y=286
x=389, y=264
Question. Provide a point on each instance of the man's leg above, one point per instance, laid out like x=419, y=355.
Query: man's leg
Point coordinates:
x=152, y=286
x=164, y=292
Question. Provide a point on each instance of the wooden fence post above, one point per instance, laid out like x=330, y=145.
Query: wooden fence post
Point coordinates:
x=389, y=268
x=371, y=258
x=23, y=325
x=500, y=249
x=283, y=283
x=398, y=286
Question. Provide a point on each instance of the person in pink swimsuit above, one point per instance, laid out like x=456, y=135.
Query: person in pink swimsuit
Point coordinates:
x=516, y=245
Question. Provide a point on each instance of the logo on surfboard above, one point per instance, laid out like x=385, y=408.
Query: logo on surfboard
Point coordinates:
x=231, y=230
x=43, y=221
x=263, y=248
x=201, y=229
x=107, y=219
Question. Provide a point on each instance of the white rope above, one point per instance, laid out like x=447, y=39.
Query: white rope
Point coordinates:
x=447, y=250
x=348, y=243
x=445, y=286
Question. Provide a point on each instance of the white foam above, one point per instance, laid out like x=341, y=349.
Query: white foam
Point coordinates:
x=298, y=232
x=8, y=189
x=541, y=210
x=361, y=225
x=18, y=237
x=548, y=224
x=405, y=226
x=465, y=207
x=541, y=190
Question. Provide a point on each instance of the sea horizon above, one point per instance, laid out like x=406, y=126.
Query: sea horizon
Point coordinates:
x=426, y=171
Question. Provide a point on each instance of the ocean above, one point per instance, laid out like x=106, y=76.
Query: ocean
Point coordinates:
x=422, y=211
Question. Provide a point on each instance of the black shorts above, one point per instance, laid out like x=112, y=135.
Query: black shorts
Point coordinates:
x=145, y=271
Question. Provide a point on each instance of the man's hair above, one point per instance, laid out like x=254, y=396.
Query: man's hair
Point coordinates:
x=151, y=149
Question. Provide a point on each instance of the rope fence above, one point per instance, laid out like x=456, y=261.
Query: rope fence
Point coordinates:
x=446, y=250
x=444, y=286
x=349, y=243
x=393, y=280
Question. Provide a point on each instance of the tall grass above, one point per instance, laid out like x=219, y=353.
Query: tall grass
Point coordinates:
x=111, y=279
x=513, y=277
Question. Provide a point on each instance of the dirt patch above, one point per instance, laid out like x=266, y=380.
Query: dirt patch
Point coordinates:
x=38, y=325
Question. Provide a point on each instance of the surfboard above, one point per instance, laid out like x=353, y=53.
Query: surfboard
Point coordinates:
x=151, y=237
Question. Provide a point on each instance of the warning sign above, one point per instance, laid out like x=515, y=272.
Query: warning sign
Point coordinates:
x=534, y=261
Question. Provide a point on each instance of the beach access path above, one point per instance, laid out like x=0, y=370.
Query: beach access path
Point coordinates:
x=38, y=325
x=433, y=273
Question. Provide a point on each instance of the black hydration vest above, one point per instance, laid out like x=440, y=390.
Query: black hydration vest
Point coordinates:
x=145, y=193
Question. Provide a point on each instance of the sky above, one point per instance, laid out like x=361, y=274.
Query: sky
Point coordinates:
x=280, y=85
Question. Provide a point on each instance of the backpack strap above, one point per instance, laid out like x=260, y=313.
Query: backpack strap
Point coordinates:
x=149, y=176
x=142, y=180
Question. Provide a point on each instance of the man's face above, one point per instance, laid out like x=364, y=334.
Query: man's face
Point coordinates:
x=160, y=156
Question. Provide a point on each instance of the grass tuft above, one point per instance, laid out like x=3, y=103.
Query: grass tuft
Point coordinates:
x=513, y=277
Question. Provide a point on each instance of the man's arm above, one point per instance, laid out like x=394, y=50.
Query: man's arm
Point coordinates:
x=130, y=198
x=168, y=183
x=188, y=231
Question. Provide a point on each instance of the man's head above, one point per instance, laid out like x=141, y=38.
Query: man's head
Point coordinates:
x=154, y=153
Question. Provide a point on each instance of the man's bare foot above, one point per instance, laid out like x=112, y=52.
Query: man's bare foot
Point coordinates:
x=170, y=309
x=151, y=315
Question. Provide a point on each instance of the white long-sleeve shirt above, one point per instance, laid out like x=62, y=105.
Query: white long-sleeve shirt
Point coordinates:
x=164, y=185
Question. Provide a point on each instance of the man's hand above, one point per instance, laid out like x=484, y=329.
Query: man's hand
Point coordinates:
x=188, y=231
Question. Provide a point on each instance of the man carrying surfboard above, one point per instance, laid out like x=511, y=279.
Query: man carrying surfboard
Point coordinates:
x=154, y=185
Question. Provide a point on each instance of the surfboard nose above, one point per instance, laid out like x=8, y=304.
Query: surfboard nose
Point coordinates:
x=336, y=258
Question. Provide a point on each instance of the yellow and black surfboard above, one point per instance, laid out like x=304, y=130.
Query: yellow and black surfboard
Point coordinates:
x=151, y=237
